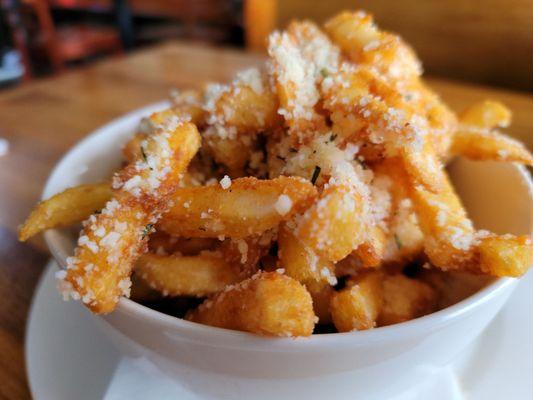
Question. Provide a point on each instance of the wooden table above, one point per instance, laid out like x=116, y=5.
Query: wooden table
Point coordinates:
x=42, y=120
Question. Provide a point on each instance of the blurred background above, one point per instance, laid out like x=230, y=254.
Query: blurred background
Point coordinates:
x=488, y=42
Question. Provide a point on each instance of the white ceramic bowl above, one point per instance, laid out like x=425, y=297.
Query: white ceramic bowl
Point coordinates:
x=219, y=363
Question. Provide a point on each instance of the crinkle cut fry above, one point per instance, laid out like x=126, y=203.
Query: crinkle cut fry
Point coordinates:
x=110, y=242
x=267, y=304
x=249, y=206
x=66, y=208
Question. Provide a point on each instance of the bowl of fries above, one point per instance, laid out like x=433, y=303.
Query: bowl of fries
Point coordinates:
x=319, y=223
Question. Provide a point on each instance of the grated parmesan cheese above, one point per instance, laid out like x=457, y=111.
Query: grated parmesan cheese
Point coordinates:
x=283, y=205
x=225, y=182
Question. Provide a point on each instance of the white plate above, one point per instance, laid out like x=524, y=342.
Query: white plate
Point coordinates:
x=67, y=357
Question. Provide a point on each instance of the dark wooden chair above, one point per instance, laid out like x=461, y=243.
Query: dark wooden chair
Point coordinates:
x=64, y=44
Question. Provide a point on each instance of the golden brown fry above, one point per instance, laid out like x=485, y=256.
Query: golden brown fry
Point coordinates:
x=486, y=114
x=249, y=206
x=483, y=145
x=448, y=231
x=357, y=306
x=405, y=299
x=372, y=250
x=111, y=241
x=357, y=35
x=297, y=71
x=235, y=114
x=335, y=225
x=66, y=208
x=404, y=240
x=302, y=264
x=234, y=154
x=200, y=275
x=478, y=139
x=268, y=304
x=505, y=255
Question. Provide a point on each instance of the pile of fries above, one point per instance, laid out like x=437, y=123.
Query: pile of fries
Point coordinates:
x=307, y=196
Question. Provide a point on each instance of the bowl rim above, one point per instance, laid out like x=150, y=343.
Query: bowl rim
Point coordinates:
x=427, y=323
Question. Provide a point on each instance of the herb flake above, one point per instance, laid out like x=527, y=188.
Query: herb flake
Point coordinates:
x=143, y=153
x=147, y=230
x=398, y=242
x=316, y=173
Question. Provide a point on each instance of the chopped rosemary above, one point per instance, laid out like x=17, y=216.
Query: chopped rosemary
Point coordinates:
x=332, y=137
x=145, y=158
x=398, y=242
x=316, y=173
x=147, y=230
x=324, y=72
x=143, y=153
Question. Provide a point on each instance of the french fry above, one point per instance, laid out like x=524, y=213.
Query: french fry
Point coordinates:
x=372, y=250
x=315, y=273
x=505, y=255
x=405, y=299
x=111, y=241
x=478, y=139
x=246, y=106
x=268, y=304
x=297, y=74
x=404, y=240
x=448, y=231
x=249, y=206
x=235, y=113
x=486, y=114
x=66, y=208
x=335, y=225
x=200, y=275
x=484, y=145
x=232, y=153
x=357, y=35
x=357, y=306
